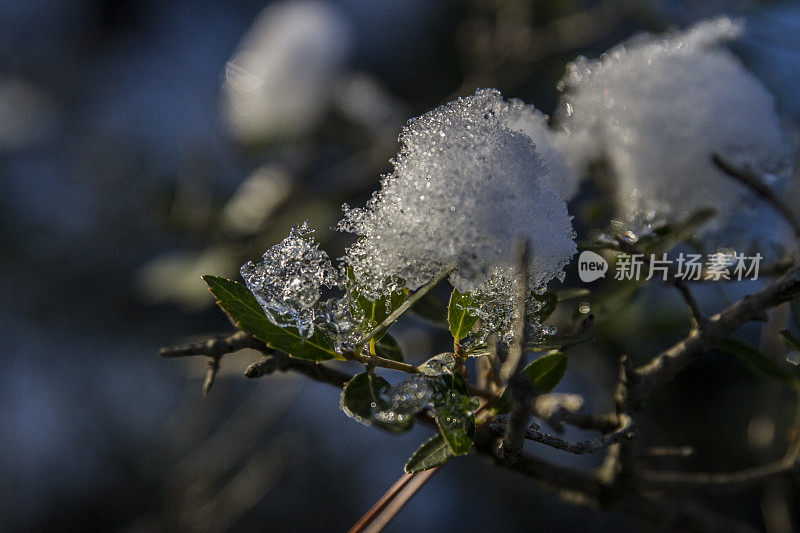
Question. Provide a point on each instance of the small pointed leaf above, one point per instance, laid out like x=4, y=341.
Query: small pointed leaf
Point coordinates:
x=243, y=308
x=388, y=348
x=432, y=453
x=361, y=394
x=546, y=371
x=460, y=314
x=443, y=363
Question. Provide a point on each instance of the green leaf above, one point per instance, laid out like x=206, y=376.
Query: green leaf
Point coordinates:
x=434, y=452
x=572, y=293
x=458, y=432
x=431, y=308
x=459, y=315
x=758, y=361
x=556, y=342
x=372, y=312
x=548, y=303
x=361, y=393
x=790, y=340
x=388, y=348
x=546, y=372
x=453, y=408
x=438, y=364
x=243, y=308
x=501, y=406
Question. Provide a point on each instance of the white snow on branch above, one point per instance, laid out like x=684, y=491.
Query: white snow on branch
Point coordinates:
x=283, y=76
x=466, y=189
x=658, y=107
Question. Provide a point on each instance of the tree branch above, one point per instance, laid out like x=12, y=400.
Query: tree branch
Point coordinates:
x=756, y=183
x=534, y=433
x=280, y=362
x=216, y=346
x=666, y=365
x=521, y=393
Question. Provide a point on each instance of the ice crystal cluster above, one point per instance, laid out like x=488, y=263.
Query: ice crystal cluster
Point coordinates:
x=288, y=282
x=400, y=403
x=466, y=188
x=527, y=119
x=657, y=109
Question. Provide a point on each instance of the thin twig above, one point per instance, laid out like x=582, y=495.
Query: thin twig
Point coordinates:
x=392, y=502
x=626, y=431
x=757, y=184
x=411, y=300
x=216, y=346
x=666, y=365
x=521, y=392
x=280, y=362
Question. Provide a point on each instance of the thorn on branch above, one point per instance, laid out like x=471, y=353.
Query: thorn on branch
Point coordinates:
x=211, y=373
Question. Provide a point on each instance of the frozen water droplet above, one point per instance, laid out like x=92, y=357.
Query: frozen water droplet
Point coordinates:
x=287, y=282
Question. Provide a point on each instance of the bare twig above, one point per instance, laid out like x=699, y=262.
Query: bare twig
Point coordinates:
x=392, y=501
x=521, y=392
x=557, y=409
x=411, y=300
x=625, y=431
x=663, y=367
x=216, y=346
x=280, y=362
x=211, y=373
x=756, y=183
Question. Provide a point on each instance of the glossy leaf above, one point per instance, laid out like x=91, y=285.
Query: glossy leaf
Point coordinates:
x=548, y=303
x=758, y=361
x=459, y=315
x=453, y=409
x=388, y=348
x=431, y=308
x=546, y=371
x=372, y=312
x=556, y=342
x=438, y=364
x=361, y=394
x=243, y=308
x=432, y=453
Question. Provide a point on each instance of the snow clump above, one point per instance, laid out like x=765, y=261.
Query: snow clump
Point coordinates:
x=658, y=107
x=466, y=188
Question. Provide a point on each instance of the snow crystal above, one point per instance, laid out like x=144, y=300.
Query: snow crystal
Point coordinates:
x=280, y=80
x=466, y=188
x=288, y=281
x=533, y=123
x=401, y=402
x=658, y=107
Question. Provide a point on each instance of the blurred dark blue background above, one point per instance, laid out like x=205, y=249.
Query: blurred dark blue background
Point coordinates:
x=129, y=168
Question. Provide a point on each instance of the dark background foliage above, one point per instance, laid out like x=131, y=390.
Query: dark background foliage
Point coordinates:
x=119, y=175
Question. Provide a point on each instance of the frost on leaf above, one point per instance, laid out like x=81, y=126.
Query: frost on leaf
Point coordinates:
x=466, y=189
x=657, y=108
x=288, y=281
